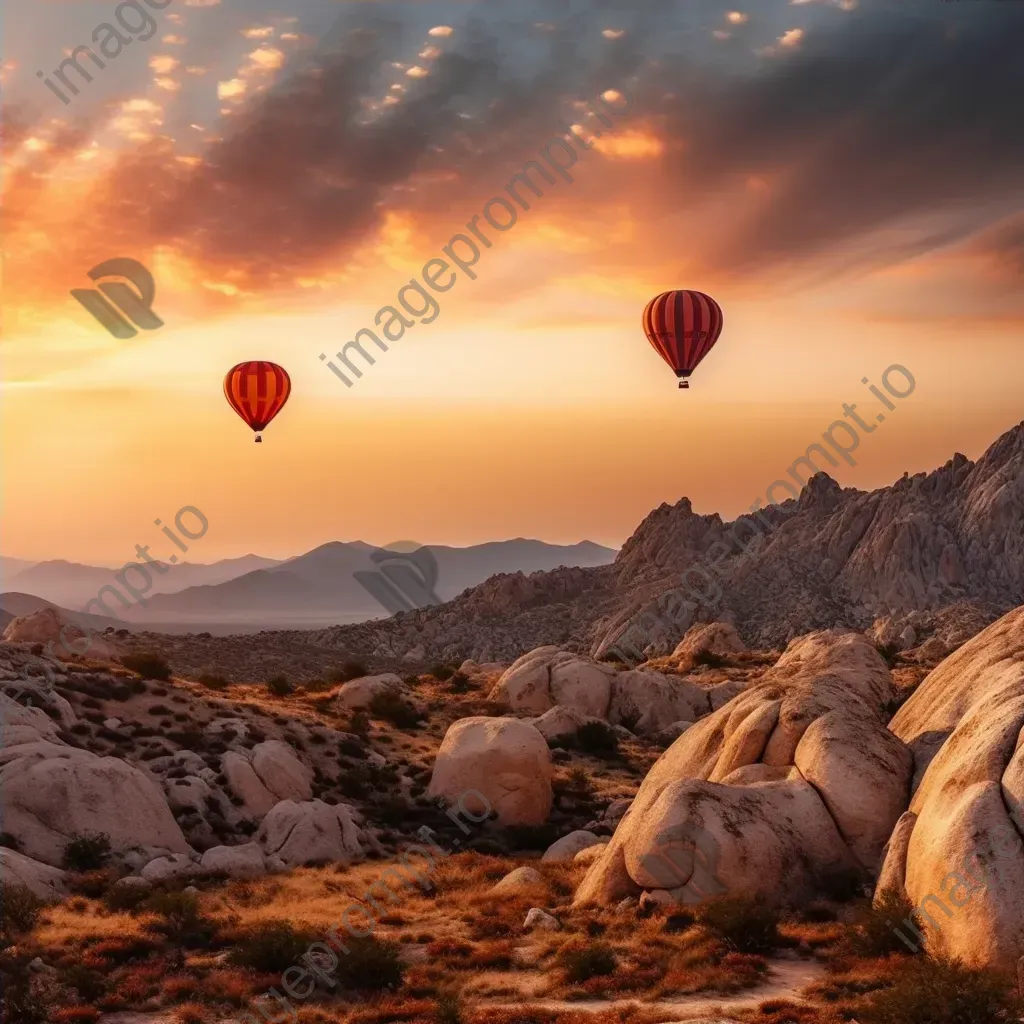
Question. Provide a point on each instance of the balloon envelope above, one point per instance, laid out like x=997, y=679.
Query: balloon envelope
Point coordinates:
x=257, y=391
x=682, y=326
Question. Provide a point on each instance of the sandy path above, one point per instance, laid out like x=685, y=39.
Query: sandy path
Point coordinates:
x=787, y=979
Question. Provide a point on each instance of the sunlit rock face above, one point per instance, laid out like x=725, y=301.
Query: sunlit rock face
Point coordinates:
x=959, y=852
x=794, y=781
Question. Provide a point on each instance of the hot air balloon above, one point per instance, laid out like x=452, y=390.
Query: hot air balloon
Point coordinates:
x=257, y=391
x=683, y=326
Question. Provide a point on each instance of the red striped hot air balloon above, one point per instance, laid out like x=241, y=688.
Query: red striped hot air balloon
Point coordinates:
x=257, y=391
x=683, y=326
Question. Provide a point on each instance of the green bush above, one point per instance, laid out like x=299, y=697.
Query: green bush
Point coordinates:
x=19, y=911
x=580, y=961
x=272, y=947
x=148, y=664
x=749, y=924
x=87, y=851
x=873, y=928
x=389, y=706
x=596, y=738
x=937, y=990
x=279, y=686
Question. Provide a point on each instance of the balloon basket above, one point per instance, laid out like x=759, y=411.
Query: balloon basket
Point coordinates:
x=684, y=384
x=259, y=440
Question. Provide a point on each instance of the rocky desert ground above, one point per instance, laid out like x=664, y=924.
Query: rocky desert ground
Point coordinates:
x=794, y=810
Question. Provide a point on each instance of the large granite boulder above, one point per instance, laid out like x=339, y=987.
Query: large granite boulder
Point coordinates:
x=51, y=792
x=504, y=759
x=958, y=854
x=794, y=780
x=313, y=832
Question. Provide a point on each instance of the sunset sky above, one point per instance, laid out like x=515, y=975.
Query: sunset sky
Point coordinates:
x=844, y=176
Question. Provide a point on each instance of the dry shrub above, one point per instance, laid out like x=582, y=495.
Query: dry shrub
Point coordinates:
x=872, y=933
x=749, y=924
x=227, y=986
x=938, y=990
x=394, y=1009
x=113, y=951
x=272, y=946
x=191, y=1013
x=75, y=1015
x=19, y=911
x=579, y=961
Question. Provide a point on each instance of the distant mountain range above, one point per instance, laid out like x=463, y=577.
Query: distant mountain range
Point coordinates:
x=312, y=590
x=73, y=584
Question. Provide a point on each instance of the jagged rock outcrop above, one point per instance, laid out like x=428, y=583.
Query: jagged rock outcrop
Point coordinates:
x=506, y=760
x=834, y=557
x=958, y=854
x=795, y=779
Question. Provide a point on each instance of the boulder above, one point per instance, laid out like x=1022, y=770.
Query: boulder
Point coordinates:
x=279, y=769
x=164, y=868
x=246, y=785
x=187, y=794
x=559, y=722
x=672, y=732
x=728, y=805
x=958, y=855
x=506, y=760
x=235, y=861
x=45, y=626
x=357, y=694
x=568, y=846
x=519, y=878
x=20, y=725
x=540, y=920
x=51, y=793
x=313, y=832
x=544, y=677
x=718, y=638
x=42, y=880
x=720, y=694
x=646, y=702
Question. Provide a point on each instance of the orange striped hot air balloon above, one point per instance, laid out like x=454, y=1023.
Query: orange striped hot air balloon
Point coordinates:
x=257, y=391
x=682, y=326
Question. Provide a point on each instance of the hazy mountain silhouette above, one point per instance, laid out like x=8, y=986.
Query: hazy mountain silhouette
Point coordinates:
x=320, y=586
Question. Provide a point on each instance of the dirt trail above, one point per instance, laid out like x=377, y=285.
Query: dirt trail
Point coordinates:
x=787, y=979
